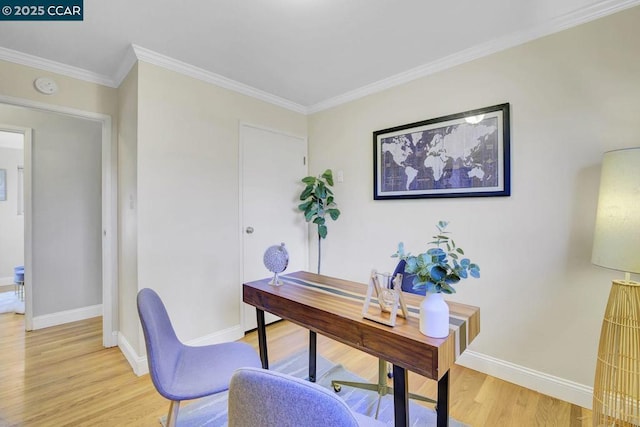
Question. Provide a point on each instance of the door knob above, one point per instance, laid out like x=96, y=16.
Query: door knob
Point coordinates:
x=249, y=230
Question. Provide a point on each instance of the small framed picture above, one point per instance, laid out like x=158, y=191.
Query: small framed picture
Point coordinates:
x=460, y=155
x=3, y=184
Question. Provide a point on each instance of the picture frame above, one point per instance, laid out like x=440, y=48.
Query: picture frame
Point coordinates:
x=460, y=155
x=3, y=185
x=386, y=292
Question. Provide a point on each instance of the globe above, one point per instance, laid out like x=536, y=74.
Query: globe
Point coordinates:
x=276, y=259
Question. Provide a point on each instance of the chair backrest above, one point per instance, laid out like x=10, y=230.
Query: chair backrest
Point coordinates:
x=258, y=397
x=407, y=279
x=163, y=346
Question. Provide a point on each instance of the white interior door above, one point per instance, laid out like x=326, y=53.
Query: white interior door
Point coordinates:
x=271, y=167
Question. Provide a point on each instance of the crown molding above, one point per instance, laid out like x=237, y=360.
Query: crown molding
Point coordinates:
x=127, y=63
x=564, y=22
x=54, y=67
x=135, y=53
x=163, y=61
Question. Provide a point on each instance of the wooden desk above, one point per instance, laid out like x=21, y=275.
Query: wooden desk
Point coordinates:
x=333, y=307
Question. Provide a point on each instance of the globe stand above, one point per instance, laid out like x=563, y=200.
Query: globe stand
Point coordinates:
x=276, y=280
x=276, y=259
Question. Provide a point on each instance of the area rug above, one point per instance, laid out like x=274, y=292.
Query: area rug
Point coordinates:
x=212, y=411
x=10, y=303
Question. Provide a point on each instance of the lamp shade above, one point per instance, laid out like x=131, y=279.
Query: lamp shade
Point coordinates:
x=616, y=243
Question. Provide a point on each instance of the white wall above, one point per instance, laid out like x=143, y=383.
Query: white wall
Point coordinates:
x=67, y=242
x=573, y=95
x=11, y=224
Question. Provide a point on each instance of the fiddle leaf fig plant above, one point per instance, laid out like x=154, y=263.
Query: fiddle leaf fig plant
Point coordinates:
x=440, y=267
x=318, y=203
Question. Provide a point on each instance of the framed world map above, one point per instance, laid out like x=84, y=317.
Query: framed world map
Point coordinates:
x=460, y=155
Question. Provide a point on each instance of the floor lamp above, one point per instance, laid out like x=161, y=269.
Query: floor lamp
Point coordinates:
x=616, y=391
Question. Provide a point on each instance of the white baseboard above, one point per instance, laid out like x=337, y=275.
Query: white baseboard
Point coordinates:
x=139, y=363
x=67, y=316
x=4, y=281
x=233, y=333
x=560, y=388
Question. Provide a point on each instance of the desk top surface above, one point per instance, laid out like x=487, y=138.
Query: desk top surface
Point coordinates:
x=333, y=307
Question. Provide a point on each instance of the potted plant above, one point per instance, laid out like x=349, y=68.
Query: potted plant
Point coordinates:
x=436, y=271
x=317, y=203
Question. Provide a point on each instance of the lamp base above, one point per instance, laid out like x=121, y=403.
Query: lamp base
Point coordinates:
x=616, y=390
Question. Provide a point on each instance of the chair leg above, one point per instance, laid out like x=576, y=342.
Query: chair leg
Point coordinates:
x=378, y=405
x=172, y=417
x=381, y=388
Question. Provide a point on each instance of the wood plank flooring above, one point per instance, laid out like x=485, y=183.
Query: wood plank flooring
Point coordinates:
x=62, y=376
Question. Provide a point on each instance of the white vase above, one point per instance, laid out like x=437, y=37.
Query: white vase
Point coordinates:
x=434, y=316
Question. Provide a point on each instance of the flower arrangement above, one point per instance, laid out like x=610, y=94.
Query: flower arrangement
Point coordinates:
x=438, y=270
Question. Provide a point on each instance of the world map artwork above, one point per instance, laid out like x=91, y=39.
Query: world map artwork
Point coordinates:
x=454, y=157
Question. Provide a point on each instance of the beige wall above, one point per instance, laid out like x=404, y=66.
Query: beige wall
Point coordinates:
x=188, y=194
x=17, y=81
x=127, y=202
x=573, y=95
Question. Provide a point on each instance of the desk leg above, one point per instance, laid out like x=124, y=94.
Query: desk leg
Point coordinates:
x=262, y=338
x=400, y=397
x=312, y=356
x=442, y=407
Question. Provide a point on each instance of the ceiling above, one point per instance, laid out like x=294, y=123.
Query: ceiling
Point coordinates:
x=305, y=53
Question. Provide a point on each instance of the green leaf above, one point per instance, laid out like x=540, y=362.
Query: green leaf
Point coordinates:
x=412, y=265
x=452, y=278
x=306, y=193
x=322, y=231
x=460, y=251
x=438, y=273
x=321, y=191
x=447, y=289
x=308, y=215
x=333, y=213
x=319, y=220
x=305, y=205
x=309, y=180
x=328, y=176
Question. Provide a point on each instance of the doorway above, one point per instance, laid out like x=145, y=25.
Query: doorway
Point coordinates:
x=105, y=230
x=272, y=163
x=11, y=220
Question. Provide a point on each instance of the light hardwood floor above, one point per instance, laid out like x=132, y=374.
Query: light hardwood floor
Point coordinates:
x=62, y=376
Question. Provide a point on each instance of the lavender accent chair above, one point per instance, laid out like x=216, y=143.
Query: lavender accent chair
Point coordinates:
x=258, y=397
x=180, y=372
